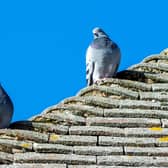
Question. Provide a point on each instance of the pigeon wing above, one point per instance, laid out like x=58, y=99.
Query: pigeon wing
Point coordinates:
x=89, y=68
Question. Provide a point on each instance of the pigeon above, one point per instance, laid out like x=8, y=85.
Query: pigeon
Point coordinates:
x=6, y=109
x=102, y=57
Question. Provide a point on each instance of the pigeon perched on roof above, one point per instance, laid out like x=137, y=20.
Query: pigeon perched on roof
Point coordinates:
x=6, y=109
x=102, y=57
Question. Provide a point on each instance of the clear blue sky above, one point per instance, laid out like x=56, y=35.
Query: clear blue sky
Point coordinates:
x=43, y=44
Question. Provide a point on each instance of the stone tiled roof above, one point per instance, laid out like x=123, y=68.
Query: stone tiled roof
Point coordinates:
x=118, y=123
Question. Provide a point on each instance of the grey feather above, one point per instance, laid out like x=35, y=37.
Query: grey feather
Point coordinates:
x=102, y=57
x=6, y=108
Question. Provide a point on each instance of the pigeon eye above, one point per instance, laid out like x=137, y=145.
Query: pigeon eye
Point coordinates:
x=96, y=34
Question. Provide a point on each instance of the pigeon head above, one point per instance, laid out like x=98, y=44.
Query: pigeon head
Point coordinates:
x=98, y=32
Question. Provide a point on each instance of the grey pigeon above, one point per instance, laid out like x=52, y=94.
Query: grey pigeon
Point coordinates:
x=102, y=57
x=6, y=109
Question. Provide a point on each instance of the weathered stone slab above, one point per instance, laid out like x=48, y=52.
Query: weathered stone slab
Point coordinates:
x=7, y=143
x=113, y=90
x=162, y=141
x=160, y=87
x=157, y=78
x=83, y=110
x=155, y=57
x=97, y=150
x=126, y=141
x=124, y=92
x=151, y=67
x=147, y=151
x=25, y=135
x=6, y=158
x=24, y=165
x=161, y=96
x=73, y=139
x=146, y=132
x=96, y=130
x=113, y=103
x=52, y=148
x=87, y=166
x=135, y=113
x=50, y=127
x=139, y=104
x=133, y=141
x=122, y=122
x=39, y=126
x=53, y=158
x=98, y=166
x=99, y=101
x=135, y=85
x=132, y=161
x=67, y=118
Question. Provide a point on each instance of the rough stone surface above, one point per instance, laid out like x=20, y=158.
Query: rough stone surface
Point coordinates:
x=73, y=139
x=6, y=158
x=66, y=118
x=9, y=144
x=123, y=122
x=159, y=96
x=17, y=165
x=135, y=85
x=126, y=141
x=97, y=150
x=160, y=87
x=146, y=132
x=25, y=135
x=136, y=113
x=83, y=110
x=40, y=127
x=114, y=90
x=95, y=130
x=132, y=161
x=53, y=158
x=52, y=148
x=50, y=127
x=98, y=166
x=148, y=151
